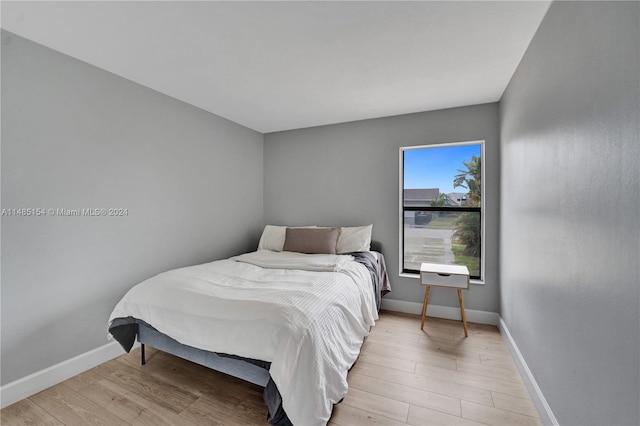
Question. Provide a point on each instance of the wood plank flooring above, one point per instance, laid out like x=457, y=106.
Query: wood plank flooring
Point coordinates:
x=404, y=377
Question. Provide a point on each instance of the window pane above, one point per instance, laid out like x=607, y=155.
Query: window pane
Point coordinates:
x=449, y=176
x=442, y=237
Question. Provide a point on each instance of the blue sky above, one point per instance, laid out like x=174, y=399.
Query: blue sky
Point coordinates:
x=436, y=167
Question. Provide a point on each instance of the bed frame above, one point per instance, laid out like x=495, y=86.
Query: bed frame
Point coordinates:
x=232, y=366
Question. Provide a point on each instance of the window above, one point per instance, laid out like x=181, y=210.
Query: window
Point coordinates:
x=441, y=200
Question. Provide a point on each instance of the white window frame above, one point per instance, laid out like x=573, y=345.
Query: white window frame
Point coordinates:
x=401, y=206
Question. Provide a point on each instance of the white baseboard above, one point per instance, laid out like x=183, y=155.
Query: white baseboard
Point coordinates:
x=538, y=398
x=43, y=379
x=438, y=311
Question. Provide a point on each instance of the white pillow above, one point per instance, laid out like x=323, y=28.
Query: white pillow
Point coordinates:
x=354, y=238
x=273, y=237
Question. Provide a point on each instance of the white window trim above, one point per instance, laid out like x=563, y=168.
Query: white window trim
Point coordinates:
x=401, y=205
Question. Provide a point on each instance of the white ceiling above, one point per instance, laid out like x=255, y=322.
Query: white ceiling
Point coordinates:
x=283, y=65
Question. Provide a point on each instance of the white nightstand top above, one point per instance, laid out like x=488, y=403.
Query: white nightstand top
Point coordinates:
x=444, y=269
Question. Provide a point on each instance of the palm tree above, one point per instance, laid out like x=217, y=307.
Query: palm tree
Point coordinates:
x=468, y=224
x=471, y=179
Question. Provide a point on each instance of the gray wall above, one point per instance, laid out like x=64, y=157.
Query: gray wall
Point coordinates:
x=75, y=136
x=570, y=235
x=347, y=174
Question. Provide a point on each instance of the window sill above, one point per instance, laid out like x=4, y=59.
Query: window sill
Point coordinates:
x=417, y=276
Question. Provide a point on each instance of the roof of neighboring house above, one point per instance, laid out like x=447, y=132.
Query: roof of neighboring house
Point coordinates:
x=456, y=198
x=422, y=194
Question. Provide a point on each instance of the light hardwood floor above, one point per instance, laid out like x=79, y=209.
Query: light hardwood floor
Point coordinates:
x=404, y=376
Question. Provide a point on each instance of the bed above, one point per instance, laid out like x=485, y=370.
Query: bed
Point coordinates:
x=290, y=316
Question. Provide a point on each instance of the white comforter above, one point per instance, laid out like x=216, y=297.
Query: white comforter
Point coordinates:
x=309, y=324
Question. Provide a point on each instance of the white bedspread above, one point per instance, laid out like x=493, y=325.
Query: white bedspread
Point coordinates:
x=309, y=324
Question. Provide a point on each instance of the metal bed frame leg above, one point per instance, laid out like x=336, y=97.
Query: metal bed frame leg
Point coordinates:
x=142, y=358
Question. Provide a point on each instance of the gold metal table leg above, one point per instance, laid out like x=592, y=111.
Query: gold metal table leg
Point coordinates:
x=464, y=317
x=424, y=306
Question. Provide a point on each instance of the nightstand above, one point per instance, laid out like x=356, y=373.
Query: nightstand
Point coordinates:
x=451, y=276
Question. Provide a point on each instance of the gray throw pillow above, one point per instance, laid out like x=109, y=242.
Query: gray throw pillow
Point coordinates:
x=311, y=240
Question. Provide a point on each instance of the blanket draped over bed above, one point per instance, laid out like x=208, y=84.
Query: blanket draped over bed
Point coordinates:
x=307, y=315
